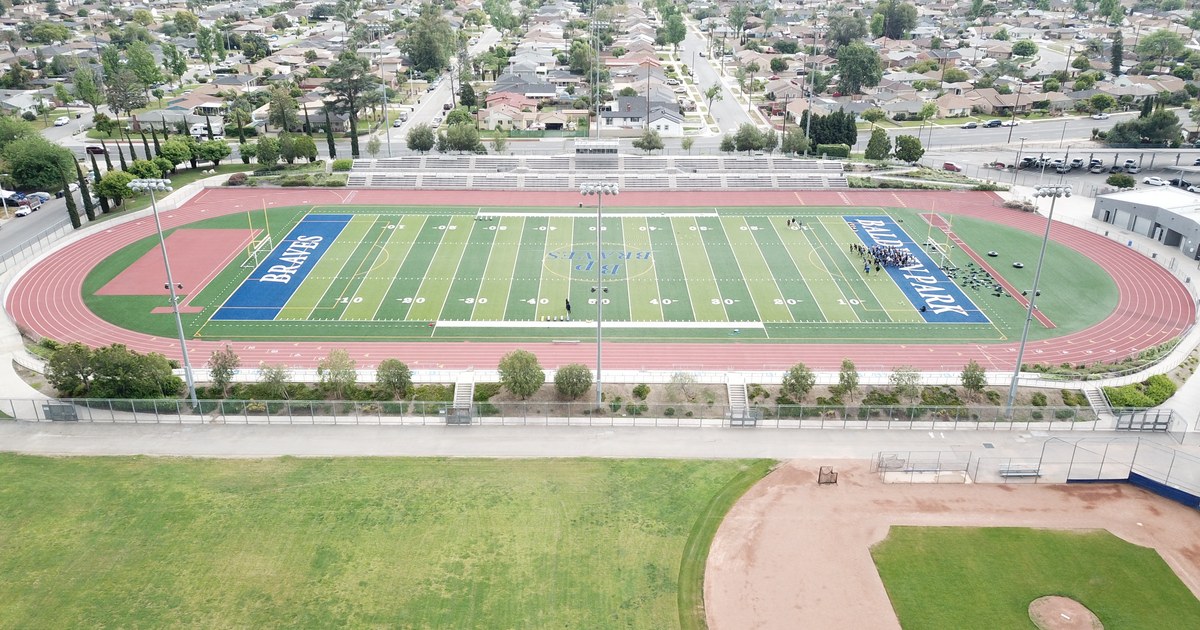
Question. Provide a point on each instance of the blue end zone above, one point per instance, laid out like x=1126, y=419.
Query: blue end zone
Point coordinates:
x=923, y=283
x=272, y=284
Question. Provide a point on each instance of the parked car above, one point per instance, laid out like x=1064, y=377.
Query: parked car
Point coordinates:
x=970, y=125
x=995, y=122
x=24, y=211
x=1180, y=182
x=1028, y=162
x=1116, y=168
x=1129, y=163
x=44, y=196
x=951, y=166
x=398, y=122
x=94, y=149
x=1077, y=163
x=1196, y=163
x=1154, y=181
x=1010, y=123
x=1097, y=168
x=1100, y=116
x=61, y=121
x=445, y=107
x=1135, y=169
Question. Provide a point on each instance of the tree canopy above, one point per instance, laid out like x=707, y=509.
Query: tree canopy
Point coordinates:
x=858, y=67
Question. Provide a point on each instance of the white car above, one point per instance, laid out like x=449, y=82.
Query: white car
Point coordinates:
x=1135, y=169
x=1100, y=116
x=1010, y=123
x=61, y=121
x=24, y=211
x=1155, y=181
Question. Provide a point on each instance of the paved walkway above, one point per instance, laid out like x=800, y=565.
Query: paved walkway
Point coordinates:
x=46, y=438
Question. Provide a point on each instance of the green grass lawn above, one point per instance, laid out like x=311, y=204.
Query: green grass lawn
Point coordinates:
x=947, y=578
x=352, y=543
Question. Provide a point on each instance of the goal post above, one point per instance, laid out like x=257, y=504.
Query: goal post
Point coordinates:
x=256, y=250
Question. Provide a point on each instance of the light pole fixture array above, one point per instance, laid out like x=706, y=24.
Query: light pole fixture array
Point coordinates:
x=164, y=185
x=599, y=189
x=1053, y=192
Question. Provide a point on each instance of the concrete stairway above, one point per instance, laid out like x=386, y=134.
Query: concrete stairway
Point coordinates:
x=464, y=390
x=738, y=403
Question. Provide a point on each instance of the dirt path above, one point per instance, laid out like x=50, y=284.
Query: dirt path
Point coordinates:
x=791, y=554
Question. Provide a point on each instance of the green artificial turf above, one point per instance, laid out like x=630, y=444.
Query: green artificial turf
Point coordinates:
x=704, y=268
x=352, y=543
x=948, y=578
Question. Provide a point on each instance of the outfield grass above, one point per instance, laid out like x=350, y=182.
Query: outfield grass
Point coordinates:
x=353, y=543
x=386, y=284
x=948, y=578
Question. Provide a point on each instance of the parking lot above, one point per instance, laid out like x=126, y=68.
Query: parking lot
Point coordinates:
x=1040, y=165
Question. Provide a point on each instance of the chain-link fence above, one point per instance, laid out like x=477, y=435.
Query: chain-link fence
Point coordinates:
x=622, y=413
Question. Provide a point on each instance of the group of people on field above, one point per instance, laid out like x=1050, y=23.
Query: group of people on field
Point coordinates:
x=881, y=256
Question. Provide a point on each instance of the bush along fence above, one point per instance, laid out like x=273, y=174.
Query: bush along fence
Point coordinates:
x=546, y=413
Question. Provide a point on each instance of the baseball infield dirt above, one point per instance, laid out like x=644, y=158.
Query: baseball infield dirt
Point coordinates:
x=792, y=554
x=1062, y=613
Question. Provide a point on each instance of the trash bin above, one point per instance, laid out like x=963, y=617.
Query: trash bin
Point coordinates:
x=58, y=195
x=78, y=116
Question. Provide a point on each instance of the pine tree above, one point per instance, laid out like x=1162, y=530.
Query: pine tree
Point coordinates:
x=329, y=136
x=96, y=170
x=72, y=211
x=83, y=190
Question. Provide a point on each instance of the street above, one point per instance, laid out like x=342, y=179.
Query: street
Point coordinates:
x=728, y=113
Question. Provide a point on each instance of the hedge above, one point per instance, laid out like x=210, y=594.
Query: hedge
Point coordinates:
x=833, y=150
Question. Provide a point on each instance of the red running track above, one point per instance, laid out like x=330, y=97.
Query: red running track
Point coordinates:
x=1152, y=308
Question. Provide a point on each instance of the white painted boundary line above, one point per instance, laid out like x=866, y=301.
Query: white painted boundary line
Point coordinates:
x=591, y=323
x=592, y=215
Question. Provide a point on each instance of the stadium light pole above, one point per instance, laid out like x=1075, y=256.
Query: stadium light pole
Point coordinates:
x=1054, y=192
x=599, y=190
x=152, y=185
x=1017, y=166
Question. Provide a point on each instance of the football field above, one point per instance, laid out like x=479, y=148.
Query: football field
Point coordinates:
x=678, y=273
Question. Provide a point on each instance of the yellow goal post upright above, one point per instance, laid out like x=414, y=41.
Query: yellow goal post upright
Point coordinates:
x=259, y=247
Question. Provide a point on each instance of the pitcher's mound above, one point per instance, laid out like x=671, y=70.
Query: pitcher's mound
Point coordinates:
x=1062, y=613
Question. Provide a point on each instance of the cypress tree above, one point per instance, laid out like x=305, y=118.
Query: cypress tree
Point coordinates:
x=145, y=145
x=329, y=135
x=850, y=129
x=121, y=155
x=107, y=158
x=72, y=211
x=166, y=133
x=88, y=208
x=132, y=151
x=157, y=147
x=103, y=200
x=208, y=125
x=1118, y=54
